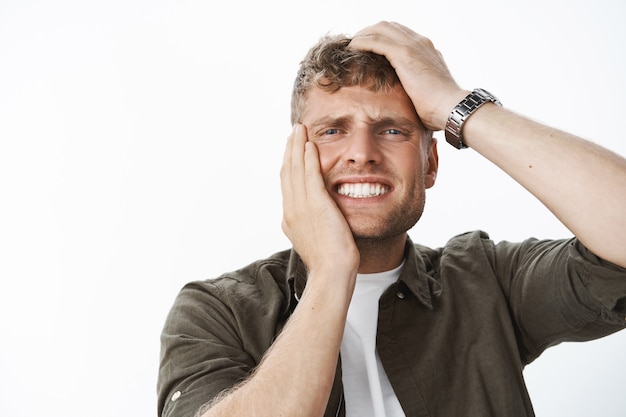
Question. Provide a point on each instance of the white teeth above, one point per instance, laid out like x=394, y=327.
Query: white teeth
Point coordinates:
x=362, y=189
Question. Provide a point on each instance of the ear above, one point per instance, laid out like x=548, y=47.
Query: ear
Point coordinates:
x=432, y=165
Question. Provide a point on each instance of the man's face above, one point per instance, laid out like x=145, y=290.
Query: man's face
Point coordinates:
x=374, y=157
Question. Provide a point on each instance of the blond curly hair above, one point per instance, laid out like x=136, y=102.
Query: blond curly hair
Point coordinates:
x=332, y=64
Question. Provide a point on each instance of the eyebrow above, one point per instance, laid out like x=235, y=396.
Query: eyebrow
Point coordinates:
x=384, y=121
x=402, y=122
x=330, y=121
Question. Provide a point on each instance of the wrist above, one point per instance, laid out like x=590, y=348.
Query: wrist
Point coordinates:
x=441, y=111
x=332, y=286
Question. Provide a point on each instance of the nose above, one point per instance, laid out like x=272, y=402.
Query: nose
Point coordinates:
x=362, y=148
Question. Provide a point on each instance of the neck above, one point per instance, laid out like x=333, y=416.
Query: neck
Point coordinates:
x=379, y=255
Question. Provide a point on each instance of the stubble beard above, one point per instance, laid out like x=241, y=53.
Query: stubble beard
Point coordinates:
x=396, y=223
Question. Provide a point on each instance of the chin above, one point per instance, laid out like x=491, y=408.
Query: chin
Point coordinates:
x=384, y=229
x=377, y=234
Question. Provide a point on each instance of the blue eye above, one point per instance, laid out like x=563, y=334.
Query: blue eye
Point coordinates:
x=326, y=135
x=394, y=135
x=393, y=132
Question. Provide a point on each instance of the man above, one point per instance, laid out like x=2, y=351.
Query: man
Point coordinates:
x=357, y=320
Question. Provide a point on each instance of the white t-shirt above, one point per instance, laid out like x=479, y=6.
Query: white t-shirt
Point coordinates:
x=367, y=390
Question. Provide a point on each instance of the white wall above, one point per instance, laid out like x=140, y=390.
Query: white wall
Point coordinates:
x=140, y=143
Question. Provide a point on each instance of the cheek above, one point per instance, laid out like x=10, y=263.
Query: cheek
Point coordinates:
x=409, y=163
x=328, y=158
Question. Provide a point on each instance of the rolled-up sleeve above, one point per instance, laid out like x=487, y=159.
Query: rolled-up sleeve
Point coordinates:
x=559, y=291
x=201, y=354
x=217, y=332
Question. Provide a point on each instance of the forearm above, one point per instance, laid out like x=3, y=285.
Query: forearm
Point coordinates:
x=296, y=375
x=583, y=184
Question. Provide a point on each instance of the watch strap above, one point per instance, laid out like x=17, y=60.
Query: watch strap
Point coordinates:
x=462, y=111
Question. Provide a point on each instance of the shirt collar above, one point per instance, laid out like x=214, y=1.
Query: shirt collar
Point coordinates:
x=417, y=274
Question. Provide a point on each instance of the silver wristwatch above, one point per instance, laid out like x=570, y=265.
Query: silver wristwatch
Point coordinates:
x=462, y=111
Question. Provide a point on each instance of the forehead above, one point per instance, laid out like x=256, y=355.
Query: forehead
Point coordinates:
x=359, y=103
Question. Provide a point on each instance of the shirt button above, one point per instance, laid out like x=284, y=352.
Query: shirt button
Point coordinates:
x=175, y=396
x=400, y=295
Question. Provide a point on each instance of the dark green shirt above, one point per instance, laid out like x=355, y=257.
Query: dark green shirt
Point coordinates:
x=454, y=332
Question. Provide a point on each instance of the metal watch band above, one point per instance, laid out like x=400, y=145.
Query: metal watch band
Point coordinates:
x=462, y=111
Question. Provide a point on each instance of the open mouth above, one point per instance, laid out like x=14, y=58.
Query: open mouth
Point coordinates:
x=362, y=189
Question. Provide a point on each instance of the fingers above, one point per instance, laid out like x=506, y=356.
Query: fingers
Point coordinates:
x=292, y=172
x=301, y=176
x=312, y=220
x=420, y=67
x=298, y=207
x=313, y=173
x=382, y=28
x=380, y=37
x=403, y=48
x=301, y=168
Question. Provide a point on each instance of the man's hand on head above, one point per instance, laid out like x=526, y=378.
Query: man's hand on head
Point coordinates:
x=420, y=68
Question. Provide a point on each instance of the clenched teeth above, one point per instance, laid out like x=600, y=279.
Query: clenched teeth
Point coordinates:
x=362, y=189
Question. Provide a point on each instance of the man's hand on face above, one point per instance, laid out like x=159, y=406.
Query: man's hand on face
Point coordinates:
x=311, y=219
x=420, y=67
